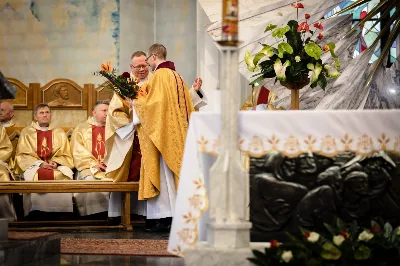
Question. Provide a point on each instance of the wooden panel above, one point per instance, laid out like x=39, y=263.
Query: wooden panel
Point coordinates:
x=67, y=186
x=64, y=94
x=103, y=93
x=91, y=98
x=24, y=97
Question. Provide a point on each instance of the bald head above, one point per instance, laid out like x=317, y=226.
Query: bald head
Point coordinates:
x=6, y=112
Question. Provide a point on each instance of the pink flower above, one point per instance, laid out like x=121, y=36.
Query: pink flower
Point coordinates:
x=320, y=36
x=303, y=26
x=297, y=5
x=318, y=25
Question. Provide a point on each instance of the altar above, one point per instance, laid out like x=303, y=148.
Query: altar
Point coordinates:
x=289, y=144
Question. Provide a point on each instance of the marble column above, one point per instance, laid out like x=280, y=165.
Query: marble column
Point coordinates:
x=228, y=232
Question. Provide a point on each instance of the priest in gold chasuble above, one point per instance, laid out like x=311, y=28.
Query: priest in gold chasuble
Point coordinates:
x=6, y=207
x=88, y=150
x=259, y=99
x=161, y=119
x=43, y=153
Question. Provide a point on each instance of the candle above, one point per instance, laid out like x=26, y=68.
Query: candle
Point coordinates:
x=230, y=19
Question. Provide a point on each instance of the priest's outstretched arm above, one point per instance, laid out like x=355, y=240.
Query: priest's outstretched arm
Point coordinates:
x=198, y=96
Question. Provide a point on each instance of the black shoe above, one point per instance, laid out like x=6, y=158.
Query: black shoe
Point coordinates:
x=114, y=220
x=149, y=224
x=161, y=225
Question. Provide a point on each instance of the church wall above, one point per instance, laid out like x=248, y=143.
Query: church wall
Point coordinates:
x=175, y=22
x=137, y=29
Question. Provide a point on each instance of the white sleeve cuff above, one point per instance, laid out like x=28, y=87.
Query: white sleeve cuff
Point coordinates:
x=135, y=118
x=126, y=131
x=197, y=101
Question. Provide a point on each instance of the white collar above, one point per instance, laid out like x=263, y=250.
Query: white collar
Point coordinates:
x=42, y=128
x=97, y=124
x=5, y=124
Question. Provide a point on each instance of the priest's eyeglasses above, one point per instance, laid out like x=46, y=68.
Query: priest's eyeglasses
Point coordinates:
x=139, y=67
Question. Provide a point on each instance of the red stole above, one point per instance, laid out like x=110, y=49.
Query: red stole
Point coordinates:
x=98, y=144
x=134, y=170
x=44, y=150
x=263, y=96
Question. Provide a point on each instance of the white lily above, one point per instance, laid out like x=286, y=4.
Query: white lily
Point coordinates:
x=365, y=236
x=297, y=59
x=287, y=256
x=313, y=237
x=338, y=240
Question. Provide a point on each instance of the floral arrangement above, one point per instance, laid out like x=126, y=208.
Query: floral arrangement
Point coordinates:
x=343, y=244
x=295, y=57
x=125, y=86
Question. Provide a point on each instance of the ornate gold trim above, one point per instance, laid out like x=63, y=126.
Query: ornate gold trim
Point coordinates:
x=292, y=146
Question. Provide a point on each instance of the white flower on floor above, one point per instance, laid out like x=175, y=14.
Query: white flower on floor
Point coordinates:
x=338, y=240
x=287, y=256
x=312, y=237
x=365, y=236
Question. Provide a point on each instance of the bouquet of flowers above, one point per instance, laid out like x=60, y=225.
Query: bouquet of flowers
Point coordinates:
x=341, y=244
x=125, y=86
x=296, y=56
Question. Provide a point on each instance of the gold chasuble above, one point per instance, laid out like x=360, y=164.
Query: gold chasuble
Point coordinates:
x=259, y=95
x=88, y=147
x=164, y=117
x=36, y=145
x=5, y=154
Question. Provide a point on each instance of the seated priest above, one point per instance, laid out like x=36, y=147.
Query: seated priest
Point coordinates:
x=259, y=99
x=6, y=114
x=44, y=153
x=88, y=149
x=6, y=208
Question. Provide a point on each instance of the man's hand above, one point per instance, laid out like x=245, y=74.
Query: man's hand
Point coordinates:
x=50, y=165
x=101, y=167
x=197, y=84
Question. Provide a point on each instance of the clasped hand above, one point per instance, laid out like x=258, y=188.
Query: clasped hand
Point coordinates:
x=101, y=167
x=51, y=165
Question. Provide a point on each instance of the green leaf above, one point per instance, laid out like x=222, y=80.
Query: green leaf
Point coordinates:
x=332, y=47
x=270, y=27
x=330, y=252
x=281, y=69
x=362, y=253
x=249, y=62
x=280, y=32
x=336, y=64
x=331, y=71
x=284, y=47
x=322, y=82
x=257, y=80
x=316, y=70
x=313, y=50
x=388, y=229
x=329, y=227
x=265, y=51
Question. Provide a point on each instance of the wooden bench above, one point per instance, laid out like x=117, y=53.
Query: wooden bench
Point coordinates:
x=75, y=186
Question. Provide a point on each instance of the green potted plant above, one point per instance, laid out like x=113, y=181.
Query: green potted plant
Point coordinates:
x=295, y=61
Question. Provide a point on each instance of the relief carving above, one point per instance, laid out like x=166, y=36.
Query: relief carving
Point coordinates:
x=63, y=95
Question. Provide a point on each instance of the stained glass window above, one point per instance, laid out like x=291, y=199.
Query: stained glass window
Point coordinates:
x=368, y=35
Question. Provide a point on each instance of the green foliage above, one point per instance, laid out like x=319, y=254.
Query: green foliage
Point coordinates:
x=383, y=249
x=280, y=32
x=297, y=52
x=313, y=50
x=125, y=87
x=270, y=27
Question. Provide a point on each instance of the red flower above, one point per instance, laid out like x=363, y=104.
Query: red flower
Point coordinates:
x=307, y=235
x=344, y=234
x=320, y=36
x=374, y=229
x=318, y=25
x=126, y=75
x=307, y=16
x=303, y=26
x=297, y=5
x=274, y=244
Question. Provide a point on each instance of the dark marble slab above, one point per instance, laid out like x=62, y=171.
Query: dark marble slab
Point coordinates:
x=28, y=249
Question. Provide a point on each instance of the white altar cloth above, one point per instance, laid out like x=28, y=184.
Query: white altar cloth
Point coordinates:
x=290, y=132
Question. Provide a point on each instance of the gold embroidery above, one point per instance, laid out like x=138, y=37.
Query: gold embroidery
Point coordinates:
x=99, y=144
x=325, y=145
x=44, y=149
